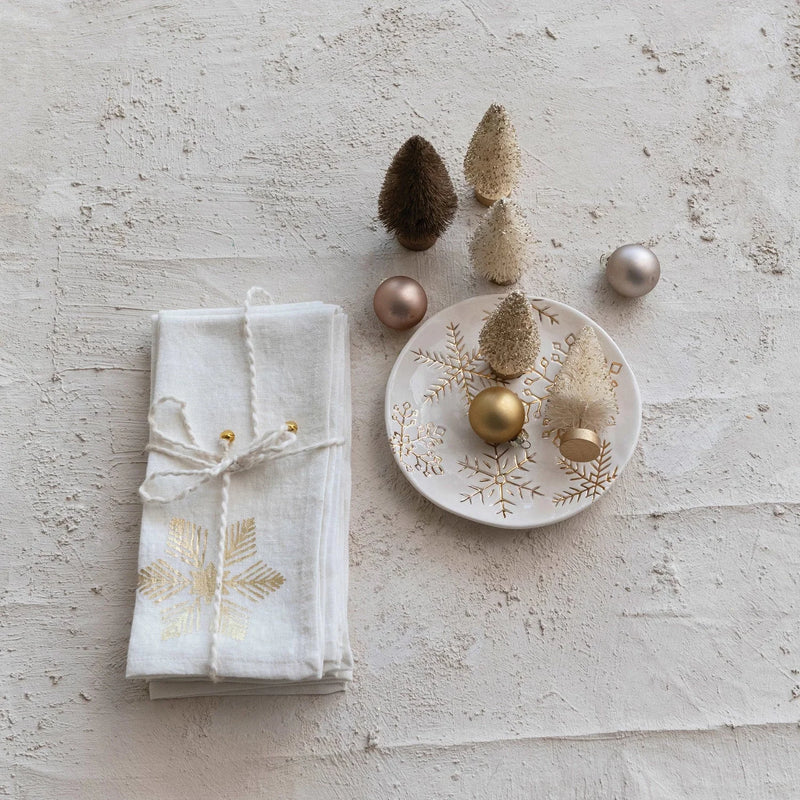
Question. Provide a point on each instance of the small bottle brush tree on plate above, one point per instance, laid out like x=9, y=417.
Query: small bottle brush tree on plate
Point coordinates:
x=581, y=401
x=500, y=248
x=493, y=161
x=509, y=340
x=417, y=201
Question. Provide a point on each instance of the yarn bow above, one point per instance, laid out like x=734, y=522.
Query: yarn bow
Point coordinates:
x=164, y=486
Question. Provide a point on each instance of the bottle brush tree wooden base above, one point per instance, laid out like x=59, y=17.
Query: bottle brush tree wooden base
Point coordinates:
x=417, y=244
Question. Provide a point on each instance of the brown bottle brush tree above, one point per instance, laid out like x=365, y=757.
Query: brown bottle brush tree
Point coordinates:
x=417, y=201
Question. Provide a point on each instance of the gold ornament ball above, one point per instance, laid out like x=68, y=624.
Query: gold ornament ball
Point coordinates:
x=497, y=415
x=400, y=302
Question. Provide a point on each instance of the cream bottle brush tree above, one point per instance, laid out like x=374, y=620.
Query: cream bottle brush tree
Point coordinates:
x=509, y=340
x=493, y=160
x=581, y=400
x=501, y=246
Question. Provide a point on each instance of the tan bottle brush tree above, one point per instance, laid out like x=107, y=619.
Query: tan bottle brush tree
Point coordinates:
x=581, y=401
x=509, y=340
x=493, y=161
x=417, y=201
x=501, y=246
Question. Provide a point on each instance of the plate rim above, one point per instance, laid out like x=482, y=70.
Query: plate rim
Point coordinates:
x=506, y=525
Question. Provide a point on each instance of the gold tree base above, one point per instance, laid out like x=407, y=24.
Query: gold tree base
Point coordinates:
x=579, y=444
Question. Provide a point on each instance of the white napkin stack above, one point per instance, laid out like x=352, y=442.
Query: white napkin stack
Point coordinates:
x=282, y=608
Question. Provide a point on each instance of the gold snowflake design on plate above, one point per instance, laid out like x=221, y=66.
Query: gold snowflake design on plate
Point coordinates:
x=499, y=477
x=545, y=314
x=197, y=578
x=538, y=381
x=614, y=369
x=415, y=445
x=588, y=479
x=463, y=368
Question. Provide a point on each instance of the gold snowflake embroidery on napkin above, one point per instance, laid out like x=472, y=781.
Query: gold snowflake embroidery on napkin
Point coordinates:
x=197, y=577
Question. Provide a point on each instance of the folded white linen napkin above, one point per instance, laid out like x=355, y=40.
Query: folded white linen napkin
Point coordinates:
x=242, y=585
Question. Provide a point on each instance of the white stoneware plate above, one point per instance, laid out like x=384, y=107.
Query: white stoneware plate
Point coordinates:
x=430, y=387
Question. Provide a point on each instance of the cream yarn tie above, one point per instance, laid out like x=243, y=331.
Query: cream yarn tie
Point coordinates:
x=166, y=486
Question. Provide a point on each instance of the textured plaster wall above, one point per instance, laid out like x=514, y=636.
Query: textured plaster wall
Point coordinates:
x=171, y=154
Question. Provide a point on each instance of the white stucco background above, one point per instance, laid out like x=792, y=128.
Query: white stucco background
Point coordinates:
x=170, y=154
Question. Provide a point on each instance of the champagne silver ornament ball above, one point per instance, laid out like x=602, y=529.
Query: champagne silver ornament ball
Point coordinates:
x=633, y=270
x=400, y=302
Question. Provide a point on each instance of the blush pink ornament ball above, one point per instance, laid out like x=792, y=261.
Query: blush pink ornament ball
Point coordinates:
x=400, y=302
